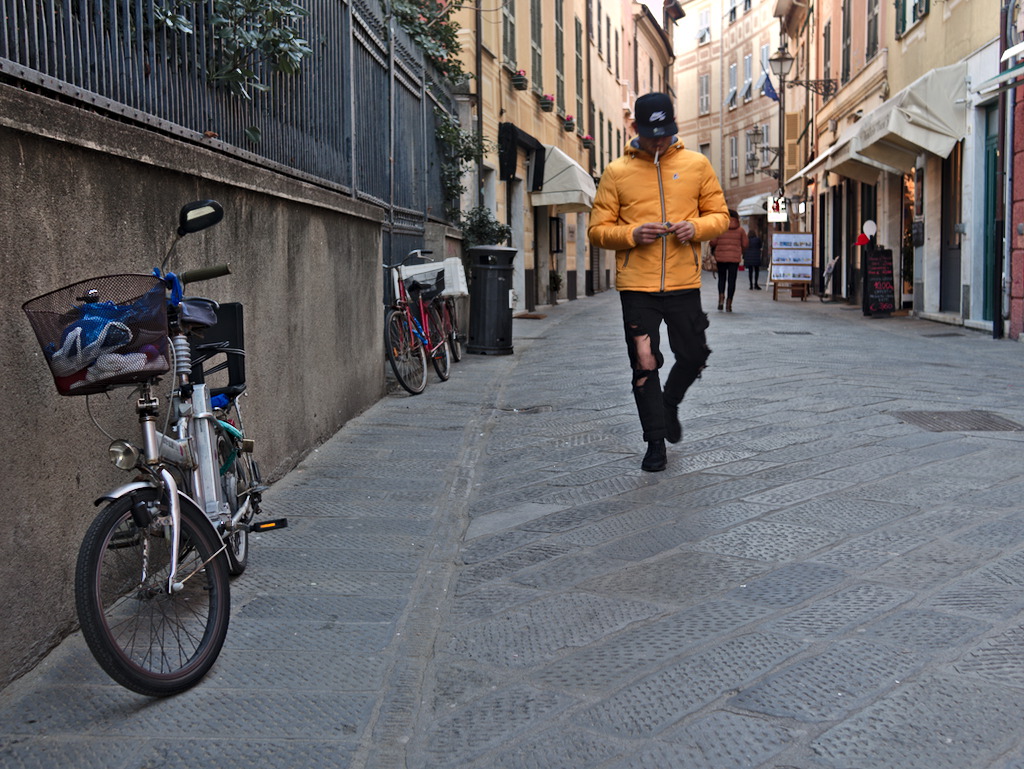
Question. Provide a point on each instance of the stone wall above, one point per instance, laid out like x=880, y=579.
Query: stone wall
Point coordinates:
x=83, y=195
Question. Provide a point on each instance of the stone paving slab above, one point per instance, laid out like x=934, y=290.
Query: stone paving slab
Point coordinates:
x=481, y=577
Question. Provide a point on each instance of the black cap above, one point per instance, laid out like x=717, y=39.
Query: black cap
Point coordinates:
x=655, y=116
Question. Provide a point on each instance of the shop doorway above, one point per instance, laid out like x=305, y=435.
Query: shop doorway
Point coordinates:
x=950, y=278
x=843, y=267
x=991, y=182
x=907, y=240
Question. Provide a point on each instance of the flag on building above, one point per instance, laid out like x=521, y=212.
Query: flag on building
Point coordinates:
x=769, y=89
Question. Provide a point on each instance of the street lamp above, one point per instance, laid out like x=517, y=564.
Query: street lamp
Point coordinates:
x=781, y=62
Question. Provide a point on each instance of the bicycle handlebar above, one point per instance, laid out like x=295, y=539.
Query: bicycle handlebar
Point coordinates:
x=204, y=273
x=419, y=253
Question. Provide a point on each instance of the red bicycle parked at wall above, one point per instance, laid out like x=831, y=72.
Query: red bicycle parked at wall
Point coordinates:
x=413, y=327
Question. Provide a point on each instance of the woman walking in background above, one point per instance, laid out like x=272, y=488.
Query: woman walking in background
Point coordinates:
x=728, y=249
x=752, y=258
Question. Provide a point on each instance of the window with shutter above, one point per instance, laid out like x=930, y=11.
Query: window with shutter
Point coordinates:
x=794, y=124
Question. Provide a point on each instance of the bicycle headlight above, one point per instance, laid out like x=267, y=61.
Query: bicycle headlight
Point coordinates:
x=123, y=454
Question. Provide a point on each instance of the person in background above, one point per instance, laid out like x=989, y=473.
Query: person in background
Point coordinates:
x=655, y=205
x=752, y=258
x=728, y=248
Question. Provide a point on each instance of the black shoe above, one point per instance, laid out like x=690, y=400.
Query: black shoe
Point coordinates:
x=673, y=428
x=655, y=459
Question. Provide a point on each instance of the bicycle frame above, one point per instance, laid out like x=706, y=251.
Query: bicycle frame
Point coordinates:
x=419, y=321
x=191, y=451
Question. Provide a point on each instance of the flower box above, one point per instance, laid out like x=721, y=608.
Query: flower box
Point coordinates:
x=570, y=123
x=520, y=81
x=547, y=103
x=588, y=142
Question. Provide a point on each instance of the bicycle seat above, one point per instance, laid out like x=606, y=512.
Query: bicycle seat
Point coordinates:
x=197, y=312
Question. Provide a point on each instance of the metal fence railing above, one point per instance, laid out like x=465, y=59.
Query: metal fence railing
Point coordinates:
x=358, y=117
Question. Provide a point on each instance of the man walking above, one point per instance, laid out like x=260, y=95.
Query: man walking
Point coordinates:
x=654, y=206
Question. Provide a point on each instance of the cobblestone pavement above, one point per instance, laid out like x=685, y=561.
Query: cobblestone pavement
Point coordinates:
x=829, y=575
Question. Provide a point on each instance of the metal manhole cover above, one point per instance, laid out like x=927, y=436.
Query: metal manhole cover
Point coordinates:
x=958, y=421
x=525, y=409
x=793, y=333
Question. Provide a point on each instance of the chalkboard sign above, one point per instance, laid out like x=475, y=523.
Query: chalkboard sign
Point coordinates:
x=879, y=286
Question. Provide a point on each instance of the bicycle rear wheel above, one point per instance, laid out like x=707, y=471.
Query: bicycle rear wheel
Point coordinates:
x=239, y=476
x=439, y=354
x=149, y=640
x=450, y=322
x=405, y=352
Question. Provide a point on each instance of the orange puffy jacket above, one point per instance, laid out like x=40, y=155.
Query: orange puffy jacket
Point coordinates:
x=630, y=195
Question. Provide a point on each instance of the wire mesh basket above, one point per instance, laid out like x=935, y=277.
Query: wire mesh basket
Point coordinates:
x=425, y=283
x=103, y=332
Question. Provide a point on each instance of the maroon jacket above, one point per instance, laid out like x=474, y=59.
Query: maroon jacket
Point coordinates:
x=730, y=245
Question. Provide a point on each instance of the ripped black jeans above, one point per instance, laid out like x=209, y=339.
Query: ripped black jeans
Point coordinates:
x=643, y=314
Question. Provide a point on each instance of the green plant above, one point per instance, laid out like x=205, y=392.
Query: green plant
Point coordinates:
x=555, y=282
x=252, y=34
x=459, y=149
x=251, y=39
x=480, y=228
x=430, y=24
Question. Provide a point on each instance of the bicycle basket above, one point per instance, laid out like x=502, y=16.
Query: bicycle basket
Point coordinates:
x=102, y=332
x=427, y=283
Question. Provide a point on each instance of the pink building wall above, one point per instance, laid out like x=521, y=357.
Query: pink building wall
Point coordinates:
x=1016, y=250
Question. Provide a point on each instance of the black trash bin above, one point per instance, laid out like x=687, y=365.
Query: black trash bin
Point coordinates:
x=490, y=300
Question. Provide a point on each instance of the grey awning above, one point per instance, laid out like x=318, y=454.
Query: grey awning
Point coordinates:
x=847, y=160
x=929, y=115
x=566, y=186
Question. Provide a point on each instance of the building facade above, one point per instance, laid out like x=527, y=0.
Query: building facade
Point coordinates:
x=553, y=88
x=727, y=105
x=889, y=129
x=904, y=152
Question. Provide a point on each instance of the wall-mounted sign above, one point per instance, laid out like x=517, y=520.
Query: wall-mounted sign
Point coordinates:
x=778, y=209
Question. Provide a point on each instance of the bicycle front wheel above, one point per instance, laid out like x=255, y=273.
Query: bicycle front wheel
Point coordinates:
x=438, y=345
x=405, y=353
x=148, y=639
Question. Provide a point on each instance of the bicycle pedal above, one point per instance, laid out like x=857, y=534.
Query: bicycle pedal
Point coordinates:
x=277, y=523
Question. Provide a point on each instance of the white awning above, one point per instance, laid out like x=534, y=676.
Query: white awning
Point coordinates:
x=811, y=167
x=929, y=115
x=567, y=187
x=1012, y=51
x=1001, y=81
x=753, y=206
